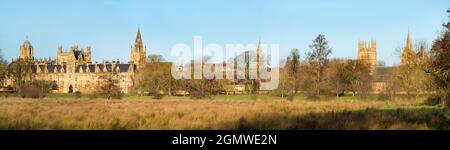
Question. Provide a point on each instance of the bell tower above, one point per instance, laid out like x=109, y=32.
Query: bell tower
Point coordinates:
x=26, y=51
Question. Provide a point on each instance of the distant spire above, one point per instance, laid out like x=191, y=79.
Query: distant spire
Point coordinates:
x=138, y=43
x=408, y=52
x=408, y=41
x=259, y=44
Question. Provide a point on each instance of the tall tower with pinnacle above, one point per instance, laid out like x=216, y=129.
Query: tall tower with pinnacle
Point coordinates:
x=26, y=51
x=138, y=51
x=367, y=54
x=408, y=52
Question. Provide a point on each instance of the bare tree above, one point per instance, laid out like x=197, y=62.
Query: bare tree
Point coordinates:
x=335, y=76
x=317, y=60
x=155, y=58
x=109, y=89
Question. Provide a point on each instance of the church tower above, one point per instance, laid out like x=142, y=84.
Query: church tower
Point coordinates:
x=26, y=51
x=138, y=51
x=367, y=53
x=408, y=52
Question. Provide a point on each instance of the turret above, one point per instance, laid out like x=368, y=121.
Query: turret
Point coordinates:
x=367, y=53
x=60, y=49
x=87, y=55
x=373, y=44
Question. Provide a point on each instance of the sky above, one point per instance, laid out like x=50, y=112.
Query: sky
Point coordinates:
x=110, y=26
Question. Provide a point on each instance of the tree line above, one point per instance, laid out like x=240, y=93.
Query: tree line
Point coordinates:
x=316, y=75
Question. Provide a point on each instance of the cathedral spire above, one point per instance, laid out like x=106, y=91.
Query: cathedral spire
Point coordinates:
x=138, y=54
x=408, y=41
x=408, y=52
x=138, y=43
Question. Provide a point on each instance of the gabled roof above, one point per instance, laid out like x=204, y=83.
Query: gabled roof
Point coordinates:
x=77, y=54
x=50, y=68
x=122, y=67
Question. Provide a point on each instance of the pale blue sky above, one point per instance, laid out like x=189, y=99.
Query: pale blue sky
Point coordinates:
x=109, y=26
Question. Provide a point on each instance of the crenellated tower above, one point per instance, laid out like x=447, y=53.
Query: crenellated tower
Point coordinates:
x=367, y=54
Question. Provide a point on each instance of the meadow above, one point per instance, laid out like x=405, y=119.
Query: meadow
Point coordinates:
x=219, y=112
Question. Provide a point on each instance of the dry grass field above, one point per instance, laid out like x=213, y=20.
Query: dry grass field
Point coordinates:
x=182, y=113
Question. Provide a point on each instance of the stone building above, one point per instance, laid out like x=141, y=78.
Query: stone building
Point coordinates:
x=367, y=54
x=382, y=75
x=73, y=70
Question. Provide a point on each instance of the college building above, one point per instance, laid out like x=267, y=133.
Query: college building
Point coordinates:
x=73, y=69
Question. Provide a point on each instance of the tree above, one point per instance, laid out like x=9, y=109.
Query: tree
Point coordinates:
x=422, y=84
x=413, y=80
x=293, y=65
x=363, y=79
x=317, y=60
x=381, y=63
x=155, y=58
x=348, y=75
x=3, y=65
x=335, y=76
x=109, y=89
x=19, y=72
x=391, y=87
x=285, y=83
x=155, y=78
x=439, y=65
x=202, y=88
x=290, y=77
